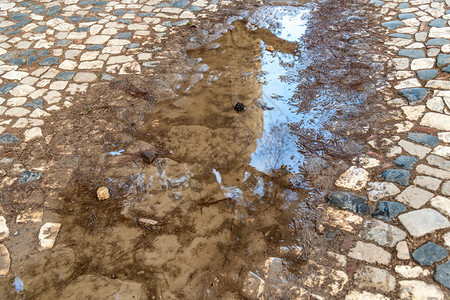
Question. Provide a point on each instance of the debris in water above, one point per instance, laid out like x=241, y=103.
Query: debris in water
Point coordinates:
x=18, y=285
x=148, y=222
x=239, y=106
x=103, y=193
x=270, y=48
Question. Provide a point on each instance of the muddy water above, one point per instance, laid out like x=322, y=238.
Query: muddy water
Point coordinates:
x=221, y=184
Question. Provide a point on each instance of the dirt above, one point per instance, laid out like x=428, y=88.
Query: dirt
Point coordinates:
x=171, y=147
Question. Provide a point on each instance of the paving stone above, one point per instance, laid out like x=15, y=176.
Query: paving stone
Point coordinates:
x=5, y=260
x=380, y=190
x=412, y=53
x=437, y=23
x=442, y=274
x=428, y=182
x=397, y=175
x=48, y=234
x=429, y=254
x=427, y=170
x=414, y=149
x=427, y=74
x=414, y=196
x=29, y=176
x=49, y=61
x=374, y=278
x=423, y=221
x=414, y=95
x=413, y=113
x=436, y=104
x=442, y=204
x=123, y=35
x=4, y=230
x=370, y=253
x=354, y=178
x=443, y=59
x=381, y=233
x=423, y=138
x=388, y=210
x=85, y=77
x=7, y=87
x=345, y=200
x=18, y=61
x=443, y=151
x=422, y=63
x=406, y=162
x=402, y=250
x=356, y=295
x=411, y=272
x=66, y=75
x=8, y=138
x=415, y=289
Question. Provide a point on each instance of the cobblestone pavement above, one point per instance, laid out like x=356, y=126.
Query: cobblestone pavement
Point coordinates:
x=50, y=51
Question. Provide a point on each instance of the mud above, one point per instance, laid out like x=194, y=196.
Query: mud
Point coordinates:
x=227, y=189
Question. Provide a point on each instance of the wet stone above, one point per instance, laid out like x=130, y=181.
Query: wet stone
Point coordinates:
x=345, y=200
x=28, y=176
x=381, y=233
x=8, y=138
x=423, y=221
x=406, y=162
x=393, y=24
x=49, y=61
x=427, y=74
x=437, y=23
x=414, y=95
x=397, y=175
x=36, y=103
x=429, y=254
x=412, y=53
x=387, y=210
x=442, y=274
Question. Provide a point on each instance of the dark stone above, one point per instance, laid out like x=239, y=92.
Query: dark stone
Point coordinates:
x=119, y=12
x=62, y=43
x=393, y=24
x=82, y=29
x=194, y=8
x=97, y=9
x=18, y=61
x=40, y=11
x=9, y=55
x=429, y=254
x=52, y=13
x=75, y=19
x=36, y=103
x=164, y=4
x=443, y=59
x=31, y=59
x=437, y=23
x=36, y=6
x=148, y=157
x=349, y=201
x=92, y=19
x=446, y=69
x=414, y=95
x=167, y=24
x=43, y=52
x=85, y=2
x=133, y=45
x=94, y=47
x=4, y=89
x=401, y=35
x=180, y=23
x=8, y=138
x=40, y=29
x=437, y=42
x=28, y=176
x=49, y=61
x=377, y=3
x=19, y=16
x=423, y=138
x=406, y=16
x=387, y=211
x=53, y=8
x=124, y=21
x=406, y=162
x=239, y=106
x=123, y=35
x=100, y=3
x=427, y=74
x=180, y=3
x=147, y=14
x=26, y=3
x=27, y=52
x=66, y=75
x=20, y=24
x=442, y=274
x=403, y=5
x=412, y=53
x=397, y=175
x=14, y=32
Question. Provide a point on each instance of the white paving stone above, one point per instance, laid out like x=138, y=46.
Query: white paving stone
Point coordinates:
x=380, y=190
x=370, y=253
x=48, y=234
x=423, y=221
x=436, y=120
x=354, y=178
x=415, y=289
